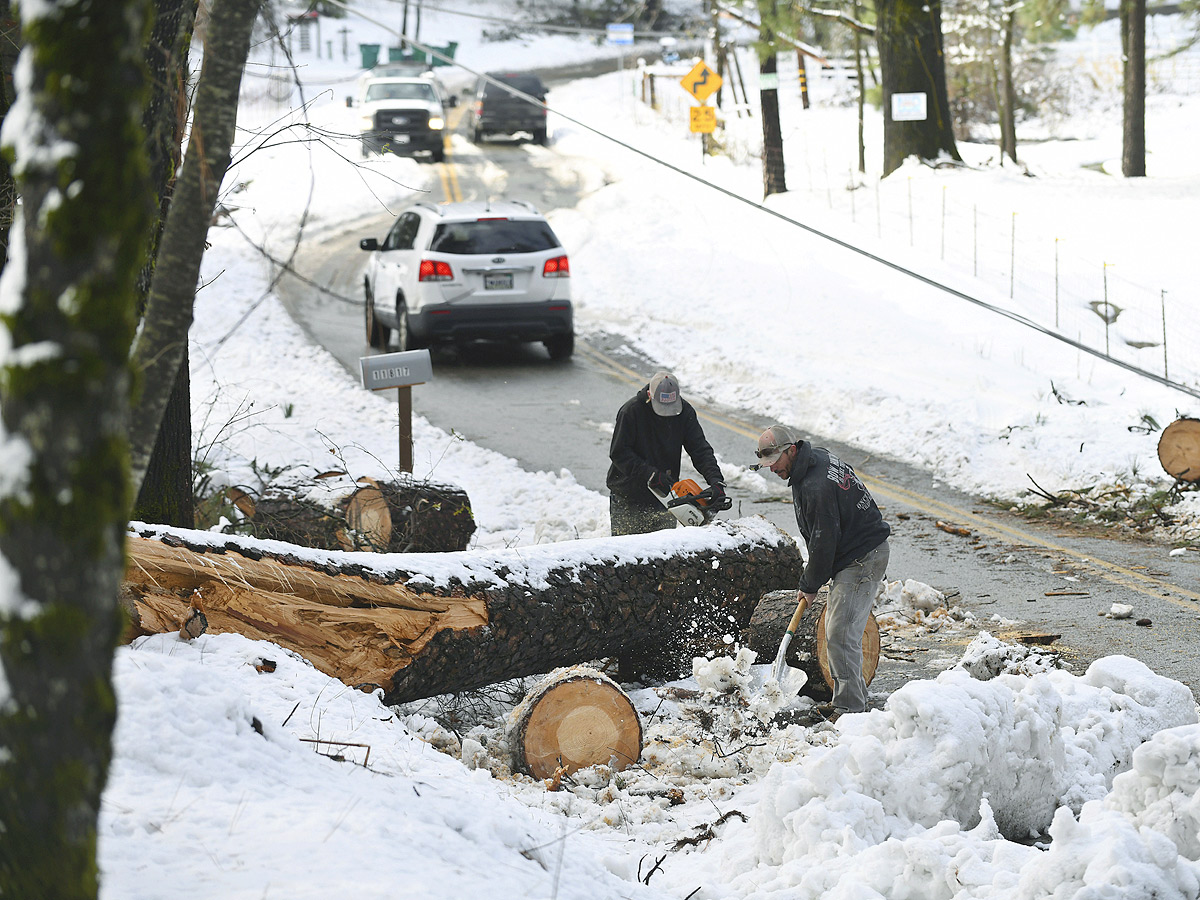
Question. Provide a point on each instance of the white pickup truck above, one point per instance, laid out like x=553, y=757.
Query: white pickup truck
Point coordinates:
x=402, y=113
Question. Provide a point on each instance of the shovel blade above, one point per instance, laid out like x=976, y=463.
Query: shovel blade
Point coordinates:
x=789, y=679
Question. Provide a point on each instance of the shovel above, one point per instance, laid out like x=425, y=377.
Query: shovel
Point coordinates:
x=781, y=684
x=790, y=680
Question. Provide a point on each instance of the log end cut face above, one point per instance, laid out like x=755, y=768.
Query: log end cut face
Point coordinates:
x=1179, y=449
x=580, y=720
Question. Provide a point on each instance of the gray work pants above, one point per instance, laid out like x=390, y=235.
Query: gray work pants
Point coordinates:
x=851, y=595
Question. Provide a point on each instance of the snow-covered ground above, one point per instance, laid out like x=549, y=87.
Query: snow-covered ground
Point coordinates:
x=1032, y=783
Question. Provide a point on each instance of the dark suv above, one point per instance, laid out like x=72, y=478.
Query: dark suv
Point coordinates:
x=500, y=111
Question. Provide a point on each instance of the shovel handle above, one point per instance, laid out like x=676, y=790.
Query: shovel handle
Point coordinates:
x=801, y=606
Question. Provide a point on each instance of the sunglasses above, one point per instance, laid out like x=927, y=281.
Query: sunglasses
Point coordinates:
x=771, y=451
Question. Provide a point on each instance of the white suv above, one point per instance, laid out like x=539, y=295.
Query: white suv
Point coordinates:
x=456, y=272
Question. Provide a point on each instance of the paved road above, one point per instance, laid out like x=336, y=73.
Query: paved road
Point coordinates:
x=556, y=415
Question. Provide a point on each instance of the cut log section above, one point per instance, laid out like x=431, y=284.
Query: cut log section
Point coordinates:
x=575, y=718
x=809, y=649
x=333, y=511
x=1179, y=449
x=329, y=512
x=427, y=517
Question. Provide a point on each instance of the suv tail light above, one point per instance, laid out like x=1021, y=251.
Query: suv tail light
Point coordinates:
x=558, y=267
x=436, y=270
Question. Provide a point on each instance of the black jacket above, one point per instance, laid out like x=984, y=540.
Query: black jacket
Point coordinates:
x=644, y=442
x=836, y=514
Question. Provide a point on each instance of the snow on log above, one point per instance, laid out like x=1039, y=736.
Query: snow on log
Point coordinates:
x=417, y=625
x=809, y=649
x=575, y=718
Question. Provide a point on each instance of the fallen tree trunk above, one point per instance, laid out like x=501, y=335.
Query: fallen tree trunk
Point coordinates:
x=417, y=625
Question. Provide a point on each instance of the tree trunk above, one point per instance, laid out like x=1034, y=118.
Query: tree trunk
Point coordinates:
x=163, y=338
x=774, y=177
x=79, y=236
x=1133, y=42
x=390, y=626
x=10, y=45
x=1008, y=95
x=574, y=718
x=809, y=648
x=910, y=57
x=166, y=495
x=862, y=94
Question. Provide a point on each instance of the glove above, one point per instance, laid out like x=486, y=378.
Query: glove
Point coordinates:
x=720, y=500
x=660, y=482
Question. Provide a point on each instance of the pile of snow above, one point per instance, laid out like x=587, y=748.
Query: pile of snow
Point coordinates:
x=245, y=780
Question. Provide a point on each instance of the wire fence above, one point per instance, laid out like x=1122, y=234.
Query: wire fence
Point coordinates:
x=1121, y=297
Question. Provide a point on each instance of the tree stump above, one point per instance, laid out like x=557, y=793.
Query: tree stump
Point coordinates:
x=1179, y=449
x=809, y=647
x=575, y=718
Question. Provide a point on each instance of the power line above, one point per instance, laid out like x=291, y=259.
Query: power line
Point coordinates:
x=983, y=304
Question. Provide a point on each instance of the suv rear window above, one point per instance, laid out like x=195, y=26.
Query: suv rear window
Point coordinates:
x=526, y=84
x=493, y=236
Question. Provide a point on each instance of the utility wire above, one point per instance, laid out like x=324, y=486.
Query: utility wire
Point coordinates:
x=983, y=304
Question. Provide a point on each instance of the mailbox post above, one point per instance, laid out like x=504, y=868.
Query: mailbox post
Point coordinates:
x=400, y=371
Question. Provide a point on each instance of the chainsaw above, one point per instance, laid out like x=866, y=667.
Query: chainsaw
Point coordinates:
x=689, y=504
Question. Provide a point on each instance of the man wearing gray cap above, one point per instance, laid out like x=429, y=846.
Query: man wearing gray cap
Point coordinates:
x=653, y=429
x=847, y=543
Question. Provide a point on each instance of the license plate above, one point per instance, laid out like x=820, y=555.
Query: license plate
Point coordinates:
x=399, y=138
x=497, y=281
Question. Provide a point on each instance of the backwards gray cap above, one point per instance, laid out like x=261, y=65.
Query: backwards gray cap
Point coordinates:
x=772, y=443
x=664, y=394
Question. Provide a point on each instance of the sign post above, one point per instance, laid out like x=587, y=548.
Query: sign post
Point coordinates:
x=620, y=34
x=401, y=371
x=702, y=82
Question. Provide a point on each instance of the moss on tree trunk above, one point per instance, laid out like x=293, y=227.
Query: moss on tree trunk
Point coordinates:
x=78, y=244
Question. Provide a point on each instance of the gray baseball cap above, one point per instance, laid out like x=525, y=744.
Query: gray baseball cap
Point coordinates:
x=773, y=442
x=664, y=394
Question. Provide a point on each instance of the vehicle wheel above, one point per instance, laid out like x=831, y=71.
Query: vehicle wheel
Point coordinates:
x=366, y=148
x=561, y=346
x=476, y=135
x=539, y=136
x=439, y=155
x=406, y=339
x=376, y=333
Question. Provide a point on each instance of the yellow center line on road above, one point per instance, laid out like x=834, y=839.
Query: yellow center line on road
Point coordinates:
x=449, y=178
x=1109, y=571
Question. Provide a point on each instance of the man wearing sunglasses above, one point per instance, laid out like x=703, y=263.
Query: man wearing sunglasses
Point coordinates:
x=847, y=543
x=653, y=429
